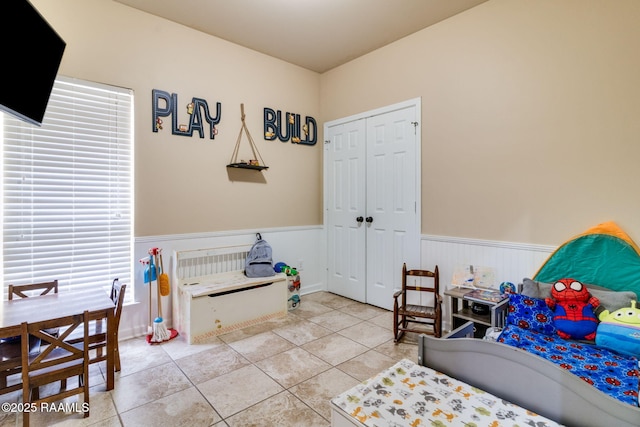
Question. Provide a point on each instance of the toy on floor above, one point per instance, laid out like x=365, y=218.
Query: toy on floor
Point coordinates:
x=573, y=307
x=294, y=300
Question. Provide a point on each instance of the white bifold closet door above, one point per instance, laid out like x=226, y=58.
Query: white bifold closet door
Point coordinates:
x=372, y=201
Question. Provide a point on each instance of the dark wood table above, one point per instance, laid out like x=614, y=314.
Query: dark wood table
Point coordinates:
x=54, y=306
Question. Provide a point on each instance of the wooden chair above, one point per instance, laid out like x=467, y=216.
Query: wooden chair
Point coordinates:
x=100, y=343
x=10, y=347
x=24, y=291
x=57, y=361
x=418, y=305
x=10, y=360
x=32, y=290
x=98, y=329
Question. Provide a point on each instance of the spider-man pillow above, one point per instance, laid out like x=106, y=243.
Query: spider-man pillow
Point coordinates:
x=530, y=313
x=573, y=309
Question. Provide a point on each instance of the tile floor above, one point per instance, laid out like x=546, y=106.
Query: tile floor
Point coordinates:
x=280, y=373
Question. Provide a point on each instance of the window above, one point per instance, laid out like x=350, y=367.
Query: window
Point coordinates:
x=67, y=189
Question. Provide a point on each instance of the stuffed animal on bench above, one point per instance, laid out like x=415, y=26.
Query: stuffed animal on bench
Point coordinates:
x=574, y=310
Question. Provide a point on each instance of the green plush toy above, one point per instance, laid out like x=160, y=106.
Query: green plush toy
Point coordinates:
x=620, y=330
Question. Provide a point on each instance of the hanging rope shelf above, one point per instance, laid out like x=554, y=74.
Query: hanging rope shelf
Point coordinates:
x=257, y=163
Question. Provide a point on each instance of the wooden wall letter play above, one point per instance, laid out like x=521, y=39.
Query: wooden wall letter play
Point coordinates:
x=165, y=105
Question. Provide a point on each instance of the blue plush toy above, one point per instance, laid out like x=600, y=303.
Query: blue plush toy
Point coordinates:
x=620, y=330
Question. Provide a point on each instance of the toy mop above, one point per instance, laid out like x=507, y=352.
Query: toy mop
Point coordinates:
x=159, y=332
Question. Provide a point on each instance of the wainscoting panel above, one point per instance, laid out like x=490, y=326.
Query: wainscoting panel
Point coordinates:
x=307, y=246
x=511, y=262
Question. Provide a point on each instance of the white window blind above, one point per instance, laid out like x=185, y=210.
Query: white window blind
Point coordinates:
x=67, y=190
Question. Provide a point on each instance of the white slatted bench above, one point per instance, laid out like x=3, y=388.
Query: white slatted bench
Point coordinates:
x=213, y=296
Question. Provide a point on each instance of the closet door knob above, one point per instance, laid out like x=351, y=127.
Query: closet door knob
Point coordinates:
x=360, y=219
x=369, y=219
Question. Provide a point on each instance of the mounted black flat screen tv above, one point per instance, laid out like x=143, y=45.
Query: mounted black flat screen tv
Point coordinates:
x=31, y=52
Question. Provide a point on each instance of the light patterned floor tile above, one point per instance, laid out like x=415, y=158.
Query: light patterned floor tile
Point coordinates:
x=238, y=390
x=282, y=372
x=310, y=309
x=258, y=329
x=109, y=422
x=302, y=332
x=282, y=410
x=208, y=364
x=146, y=386
x=101, y=409
x=318, y=391
x=384, y=319
x=261, y=346
x=330, y=300
x=367, y=334
x=335, y=349
x=137, y=355
x=179, y=346
x=362, y=311
x=401, y=350
x=292, y=367
x=335, y=320
x=366, y=365
x=184, y=408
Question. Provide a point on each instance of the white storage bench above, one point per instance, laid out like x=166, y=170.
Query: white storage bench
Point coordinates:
x=213, y=296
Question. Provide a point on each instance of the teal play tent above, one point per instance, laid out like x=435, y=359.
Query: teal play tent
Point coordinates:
x=603, y=255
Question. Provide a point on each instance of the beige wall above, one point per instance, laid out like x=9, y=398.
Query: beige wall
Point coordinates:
x=530, y=116
x=182, y=184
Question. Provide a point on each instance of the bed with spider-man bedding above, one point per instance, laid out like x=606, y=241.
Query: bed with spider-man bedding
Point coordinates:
x=571, y=344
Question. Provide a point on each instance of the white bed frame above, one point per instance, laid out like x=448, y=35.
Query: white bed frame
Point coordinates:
x=524, y=379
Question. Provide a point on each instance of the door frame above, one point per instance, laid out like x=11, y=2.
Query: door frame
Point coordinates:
x=413, y=102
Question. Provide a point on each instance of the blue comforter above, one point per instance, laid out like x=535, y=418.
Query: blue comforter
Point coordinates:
x=612, y=373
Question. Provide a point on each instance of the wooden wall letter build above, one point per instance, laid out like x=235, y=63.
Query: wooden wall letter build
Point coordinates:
x=292, y=129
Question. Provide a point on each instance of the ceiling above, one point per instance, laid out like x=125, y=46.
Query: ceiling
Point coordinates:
x=315, y=34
